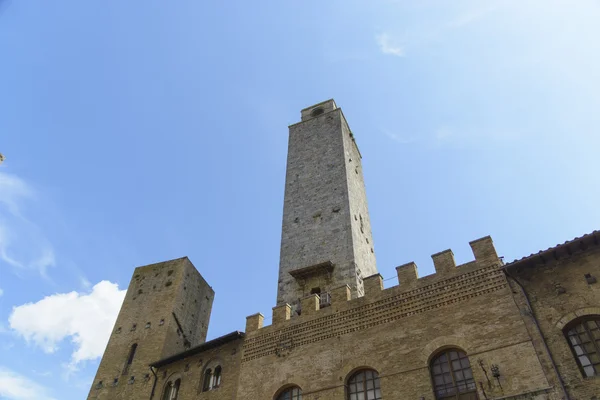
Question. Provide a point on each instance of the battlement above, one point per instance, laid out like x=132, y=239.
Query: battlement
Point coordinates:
x=449, y=285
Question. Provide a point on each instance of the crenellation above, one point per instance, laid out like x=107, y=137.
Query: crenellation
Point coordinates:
x=254, y=322
x=484, y=251
x=281, y=313
x=373, y=285
x=408, y=275
x=310, y=304
x=444, y=262
x=334, y=317
x=340, y=296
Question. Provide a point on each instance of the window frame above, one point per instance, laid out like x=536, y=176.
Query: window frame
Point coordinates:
x=362, y=394
x=457, y=395
x=212, y=377
x=289, y=390
x=206, y=379
x=595, y=342
x=169, y=387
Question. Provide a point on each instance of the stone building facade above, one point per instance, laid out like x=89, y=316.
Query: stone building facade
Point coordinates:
x=529, y=329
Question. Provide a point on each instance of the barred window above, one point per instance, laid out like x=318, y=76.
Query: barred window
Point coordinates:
x=584, y=340
x=292, y=393
x=364, y=385
x=452, y=376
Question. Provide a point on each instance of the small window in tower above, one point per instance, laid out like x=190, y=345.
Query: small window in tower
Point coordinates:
x=115, y=382
x=148, y=324
x=162, y=322
x=315, y=290
x=118, y=330
x=99, y=385
x=133, y=327
x=316, y=112
x=129, y=360
x=131, y=380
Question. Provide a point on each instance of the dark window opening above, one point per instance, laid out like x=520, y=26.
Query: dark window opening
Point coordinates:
x=292, y=393
x=216, y=378
x=206, y=381
x=315, y=291
x=172, y=390
x=130, y=358
x=316, y=112
x=212, y=379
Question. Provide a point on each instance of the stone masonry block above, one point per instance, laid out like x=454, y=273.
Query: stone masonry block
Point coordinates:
x=484, y=251
x=340, y=295
x=444, y=262
x=310, y=304
x=254, y=322
x=407, y=274
x=373, y=285
x=281, y=313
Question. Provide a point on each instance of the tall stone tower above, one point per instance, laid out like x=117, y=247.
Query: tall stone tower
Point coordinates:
x=166, y=311
x=326, y=237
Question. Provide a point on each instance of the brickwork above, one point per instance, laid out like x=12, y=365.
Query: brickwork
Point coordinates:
x=559, y=294
x=509, y=320
x=325, y=216
x=190, y=370
x=166, y=310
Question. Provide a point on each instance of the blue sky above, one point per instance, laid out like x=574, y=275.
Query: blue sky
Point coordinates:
x=140, y=131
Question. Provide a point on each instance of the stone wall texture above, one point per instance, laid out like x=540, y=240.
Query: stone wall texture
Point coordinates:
x=509, y=319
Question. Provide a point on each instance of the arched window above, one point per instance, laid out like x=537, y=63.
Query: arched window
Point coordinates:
x=584, y=339
x=452, y=376
x=291, y=393
x=129, y=358
x=212, y=379
x=215, y=382
x=171, y=390
x=364, y=385
x=206, y=381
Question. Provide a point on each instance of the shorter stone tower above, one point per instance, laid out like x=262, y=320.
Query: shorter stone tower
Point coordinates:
x=166, y=311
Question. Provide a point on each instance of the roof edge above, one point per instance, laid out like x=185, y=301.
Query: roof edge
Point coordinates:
x=211, y=344
x=581, y=243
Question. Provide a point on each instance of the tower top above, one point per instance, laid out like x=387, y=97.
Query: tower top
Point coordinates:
x=318, y=109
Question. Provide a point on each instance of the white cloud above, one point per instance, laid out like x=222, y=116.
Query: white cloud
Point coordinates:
x=386, y=46
x=86, y=318
x=22, y=244
x=1, y=292
x=17, y=387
